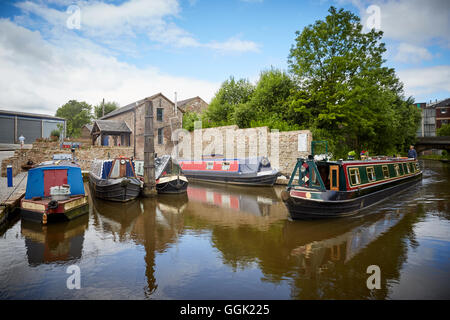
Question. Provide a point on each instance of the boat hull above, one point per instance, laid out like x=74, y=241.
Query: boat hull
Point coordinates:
x=303, y=208
x=172, y=185
x=235, y=178
x=66, y=210
x=120, y=190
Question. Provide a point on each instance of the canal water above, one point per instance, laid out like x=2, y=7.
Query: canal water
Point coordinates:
x=235, y=243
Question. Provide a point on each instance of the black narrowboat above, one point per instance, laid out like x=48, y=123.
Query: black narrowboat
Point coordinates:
x=255, y=171
x=168, y=175
x=328, y=189
x=114, y=180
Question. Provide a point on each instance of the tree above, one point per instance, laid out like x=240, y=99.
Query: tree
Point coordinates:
x=231, y=93
x=77, y=114
x=346, y=95
x=109, y=107
x=444, y=130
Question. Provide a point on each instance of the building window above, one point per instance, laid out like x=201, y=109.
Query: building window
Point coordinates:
x=159, y=114
x=160, y=136
x=371, y=174
x=354, y=176
x=386, y=172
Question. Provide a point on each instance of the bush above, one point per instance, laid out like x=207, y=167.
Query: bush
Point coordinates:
x=444, y=130
x=55, y=133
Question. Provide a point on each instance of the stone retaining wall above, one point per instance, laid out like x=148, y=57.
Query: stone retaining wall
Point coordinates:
x=44, y=151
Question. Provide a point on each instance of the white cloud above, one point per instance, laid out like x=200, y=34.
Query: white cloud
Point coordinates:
x=38, y=76
x=117, y=24
x=408, y=53
x=413, y=21
x=425, y=81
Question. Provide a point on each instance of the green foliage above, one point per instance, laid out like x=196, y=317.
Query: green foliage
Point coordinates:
x=232, y=93
x=77, y=114
x=55, y=133
x=189, y=119
x=444, y=130
x=109, y=107
x=346, y=94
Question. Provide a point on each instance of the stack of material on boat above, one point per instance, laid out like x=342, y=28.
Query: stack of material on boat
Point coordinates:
x=255, y=171
x=340, y=188
x=169, y=177
x=114, y=180
x=55, y=191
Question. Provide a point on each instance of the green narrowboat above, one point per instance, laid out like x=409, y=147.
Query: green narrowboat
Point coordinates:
x=326, y=189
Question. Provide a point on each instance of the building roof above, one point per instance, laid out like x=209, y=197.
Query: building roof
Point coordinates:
x=33, y=115
x=439, y=104
x=133, y=105
x=112, y=126
x=89, y=126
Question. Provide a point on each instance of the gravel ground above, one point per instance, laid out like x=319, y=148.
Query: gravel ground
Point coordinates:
x=17, y=180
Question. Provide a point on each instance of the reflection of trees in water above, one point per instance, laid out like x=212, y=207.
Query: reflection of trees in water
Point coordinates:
x=324, y=259
x=154, y=223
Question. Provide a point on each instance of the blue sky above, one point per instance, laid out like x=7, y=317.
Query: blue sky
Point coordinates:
x=126, y=50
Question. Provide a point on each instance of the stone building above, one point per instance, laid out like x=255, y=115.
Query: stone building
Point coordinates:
x=195, y=104
x=111, y=133
x=165, y=120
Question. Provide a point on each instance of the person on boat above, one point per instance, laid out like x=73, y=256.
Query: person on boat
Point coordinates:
x=412, y=152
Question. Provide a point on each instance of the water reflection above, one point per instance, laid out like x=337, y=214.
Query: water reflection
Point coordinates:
x=62, y=242
x=232, y=242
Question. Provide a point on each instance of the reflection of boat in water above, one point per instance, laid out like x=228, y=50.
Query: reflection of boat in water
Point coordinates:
x=330, y=189
x=54, y=242
x=236, y=198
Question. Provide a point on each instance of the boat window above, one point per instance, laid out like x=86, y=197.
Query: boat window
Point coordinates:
x=225, y=166
x=417, y=166
x=386, y=172
x=411, y=167
x=209, y=165
x=354, y=176
x=371, y=174
x=397, y=169
x=406, y=168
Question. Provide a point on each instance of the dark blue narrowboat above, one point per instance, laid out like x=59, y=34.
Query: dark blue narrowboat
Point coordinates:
x=327, y=189
x=114, y=180
x=55, y=191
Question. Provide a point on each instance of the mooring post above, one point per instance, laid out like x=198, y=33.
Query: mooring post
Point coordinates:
x=149, y=152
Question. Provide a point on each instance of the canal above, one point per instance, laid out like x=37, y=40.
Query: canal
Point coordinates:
x=235, y=243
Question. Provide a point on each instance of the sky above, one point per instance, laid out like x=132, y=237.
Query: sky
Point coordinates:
x=58, y=50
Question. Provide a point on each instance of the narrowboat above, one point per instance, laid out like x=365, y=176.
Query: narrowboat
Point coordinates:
x=114, y=180
x=168, y=174
x=54, y=191
x=255, y=171
x=327, y=189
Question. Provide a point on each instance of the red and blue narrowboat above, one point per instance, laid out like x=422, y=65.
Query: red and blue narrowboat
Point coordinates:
x=255, y=171
x=55, y=191
x=327, y=189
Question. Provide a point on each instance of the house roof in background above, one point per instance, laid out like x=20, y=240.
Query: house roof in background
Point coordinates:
x=33, y=115
x=133, y=105
x=112, y=126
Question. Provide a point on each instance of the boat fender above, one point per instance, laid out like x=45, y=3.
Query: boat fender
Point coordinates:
x=53, y=204
x=44, y=218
